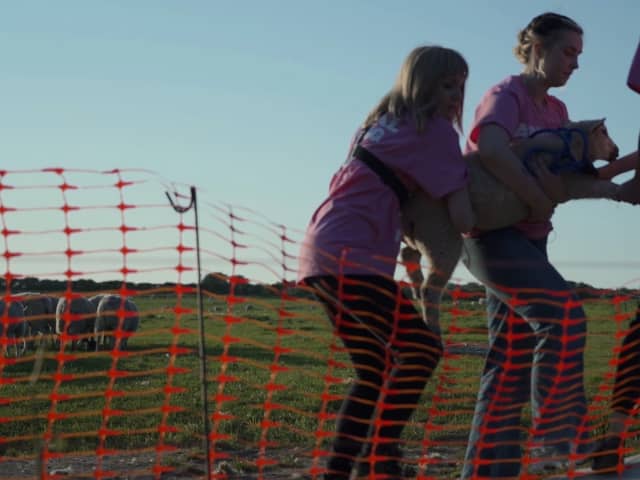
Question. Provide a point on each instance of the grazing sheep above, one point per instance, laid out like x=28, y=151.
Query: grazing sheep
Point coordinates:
x=82, y=316
x=94, y=301
x=91, y=321
x=39, y=312
x=17, y=327
x=115, y=313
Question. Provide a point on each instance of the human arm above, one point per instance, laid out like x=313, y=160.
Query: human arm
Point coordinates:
x=460, y=210
x=621, y=165
x=499, y=159
x=633, y=80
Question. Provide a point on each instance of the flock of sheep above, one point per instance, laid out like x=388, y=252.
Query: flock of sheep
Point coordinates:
x=89, y=322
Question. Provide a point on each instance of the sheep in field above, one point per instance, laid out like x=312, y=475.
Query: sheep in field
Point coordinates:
x=91, y=323
x=115, y=313
x=75, y=318
x=39, y=312
x=13, y=328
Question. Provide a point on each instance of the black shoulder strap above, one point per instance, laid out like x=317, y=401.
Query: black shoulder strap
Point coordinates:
x=385, y=173
x=387, y=176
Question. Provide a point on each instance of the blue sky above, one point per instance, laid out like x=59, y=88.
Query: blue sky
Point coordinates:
x=255, y=101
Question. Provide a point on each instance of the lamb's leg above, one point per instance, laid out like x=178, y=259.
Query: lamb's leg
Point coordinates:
x=419, y=286
x=431, y=295
x=411, y=261
x=442, y=266
x=428, y=229
x=585, y=186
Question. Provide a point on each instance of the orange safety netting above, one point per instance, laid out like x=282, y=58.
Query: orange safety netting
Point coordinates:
x=117, y=343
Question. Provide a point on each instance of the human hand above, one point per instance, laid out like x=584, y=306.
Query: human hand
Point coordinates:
x=551, y=184
x=627, y=163
x=629, y=191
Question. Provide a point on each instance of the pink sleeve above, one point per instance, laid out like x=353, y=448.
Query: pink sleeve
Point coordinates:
x=500, y=107
x=634, y=73
x=439, y=168
x=564, y=113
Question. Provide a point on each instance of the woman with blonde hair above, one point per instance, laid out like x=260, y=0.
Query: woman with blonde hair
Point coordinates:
x=409, y=141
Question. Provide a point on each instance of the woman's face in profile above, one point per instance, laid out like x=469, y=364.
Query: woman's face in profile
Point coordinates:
x=560, y=60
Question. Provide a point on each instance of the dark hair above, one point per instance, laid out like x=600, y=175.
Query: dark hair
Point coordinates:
x=542, y=28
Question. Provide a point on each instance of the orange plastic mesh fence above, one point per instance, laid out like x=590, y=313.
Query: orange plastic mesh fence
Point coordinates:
x=100, y=373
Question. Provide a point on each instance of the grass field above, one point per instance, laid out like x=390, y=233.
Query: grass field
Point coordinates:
x=267, y=367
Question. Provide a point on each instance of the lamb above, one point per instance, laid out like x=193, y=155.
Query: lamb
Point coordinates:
x=12, y=317
x=429, y=231
x=115, y=313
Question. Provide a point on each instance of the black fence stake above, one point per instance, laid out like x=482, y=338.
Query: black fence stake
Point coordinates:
x=202, y=352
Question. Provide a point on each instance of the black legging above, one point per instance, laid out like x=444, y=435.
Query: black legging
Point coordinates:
x=368, y=313
x=626, y=390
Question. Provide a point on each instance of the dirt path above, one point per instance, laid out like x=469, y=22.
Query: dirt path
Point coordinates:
x=291, y=465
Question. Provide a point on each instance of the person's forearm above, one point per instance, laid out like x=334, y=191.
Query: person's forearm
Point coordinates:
x=621, y=165
x=507, y=167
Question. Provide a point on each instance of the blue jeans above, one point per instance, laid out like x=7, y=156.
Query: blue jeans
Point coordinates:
x=626, y=390
x=537, y=336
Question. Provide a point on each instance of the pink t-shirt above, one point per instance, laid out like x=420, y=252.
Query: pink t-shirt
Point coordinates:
x=509, y=105
x=634, y=73
x=357, y=229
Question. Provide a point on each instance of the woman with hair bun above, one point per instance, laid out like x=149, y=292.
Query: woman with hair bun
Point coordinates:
x=537, y=327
